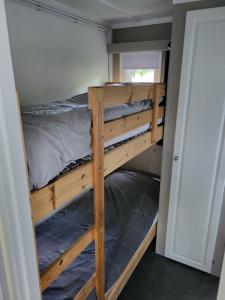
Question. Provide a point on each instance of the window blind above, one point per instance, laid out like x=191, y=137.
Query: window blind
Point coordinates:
x=141, y=60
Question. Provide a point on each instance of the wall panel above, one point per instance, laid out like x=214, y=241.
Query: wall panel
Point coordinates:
x=54, y=58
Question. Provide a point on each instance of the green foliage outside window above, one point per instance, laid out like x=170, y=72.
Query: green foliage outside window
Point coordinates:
x=138, y=72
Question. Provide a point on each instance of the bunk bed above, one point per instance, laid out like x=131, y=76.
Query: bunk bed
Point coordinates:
x=59, y=192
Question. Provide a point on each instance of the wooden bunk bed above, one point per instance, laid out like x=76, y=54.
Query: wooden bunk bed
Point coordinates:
x=55, y=195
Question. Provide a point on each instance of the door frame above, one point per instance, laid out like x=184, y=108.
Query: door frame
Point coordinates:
x=192, y=20
x=19, y=275
x=221, y=290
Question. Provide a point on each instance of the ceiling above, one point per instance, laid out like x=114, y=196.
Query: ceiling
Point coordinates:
x=118, y=13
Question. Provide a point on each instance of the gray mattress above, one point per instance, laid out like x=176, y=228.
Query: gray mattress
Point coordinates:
x=58, y=134
x=131, y=205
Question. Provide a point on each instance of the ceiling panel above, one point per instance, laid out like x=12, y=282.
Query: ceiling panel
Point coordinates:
x=145, y=7
x=112, y=12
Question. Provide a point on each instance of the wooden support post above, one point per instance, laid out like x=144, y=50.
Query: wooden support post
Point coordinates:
x=96, y=96
x=116, y=67
x=155, y=111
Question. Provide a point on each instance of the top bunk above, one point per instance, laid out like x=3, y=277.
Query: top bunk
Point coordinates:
x=115, y=140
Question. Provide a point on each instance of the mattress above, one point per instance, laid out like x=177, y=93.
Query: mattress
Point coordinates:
x=131, y=206
x=58, y=134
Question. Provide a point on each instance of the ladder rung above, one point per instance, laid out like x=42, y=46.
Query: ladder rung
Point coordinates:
x=86, y=289
x=61, y=263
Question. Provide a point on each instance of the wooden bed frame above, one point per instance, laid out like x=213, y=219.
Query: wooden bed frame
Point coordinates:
x=66, y=187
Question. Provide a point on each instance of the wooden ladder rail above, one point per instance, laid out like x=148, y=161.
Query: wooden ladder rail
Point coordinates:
x=96, y=98
x=96, y=103
x=159, y=90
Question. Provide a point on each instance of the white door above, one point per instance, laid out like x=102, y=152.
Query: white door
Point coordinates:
x=198, y=173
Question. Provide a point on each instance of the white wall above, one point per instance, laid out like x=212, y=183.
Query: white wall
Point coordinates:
x=148, y=161
x=5, y=278
x=221, y=292
x=1, y=293
x=54, y=58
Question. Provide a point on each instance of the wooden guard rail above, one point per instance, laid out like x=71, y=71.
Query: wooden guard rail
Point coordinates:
x=92, y=174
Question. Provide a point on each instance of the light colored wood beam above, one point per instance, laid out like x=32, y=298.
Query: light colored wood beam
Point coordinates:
x=116, y=67
x=86, y=289
x=97, y=100
x=157, y=92
x=126, y=124
x=59, y=265
x=116, y=95
x=46, y=200
x=123, y=125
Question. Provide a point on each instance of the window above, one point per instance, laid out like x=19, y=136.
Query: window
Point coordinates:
x=141, y=66
x=141, y=75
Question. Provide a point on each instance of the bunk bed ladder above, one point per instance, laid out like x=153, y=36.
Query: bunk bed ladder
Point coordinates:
x=96, y=98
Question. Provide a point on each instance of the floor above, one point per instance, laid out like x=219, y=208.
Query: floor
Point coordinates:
x=158, y=278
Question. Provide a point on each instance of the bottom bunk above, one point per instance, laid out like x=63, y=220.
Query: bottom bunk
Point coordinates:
x=131, y=206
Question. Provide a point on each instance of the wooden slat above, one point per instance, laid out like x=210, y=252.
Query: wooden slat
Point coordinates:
x=122, y=154
x=116, y=289
x=141, y=92
x=155, y=111
x=115, y=95
x=121, y=94
x=120, y=126
x=143, y=142
x=161, y=112
x=162, y=85
x=42, y=202
x=45, y=200
x=159, y=134
x=86, y=289
x=54, y=195
x=58, y=266
x=96, y=96
x=161, y=89
x=76, y=183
